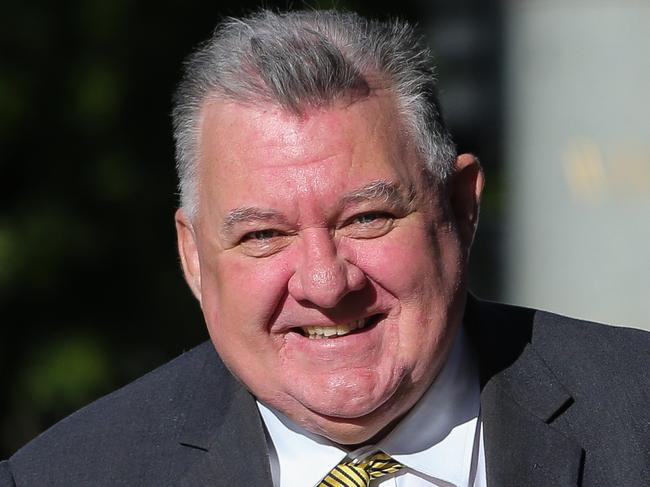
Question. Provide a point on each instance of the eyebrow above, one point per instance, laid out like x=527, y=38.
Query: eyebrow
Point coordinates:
x=391, y=193
x=249, y=214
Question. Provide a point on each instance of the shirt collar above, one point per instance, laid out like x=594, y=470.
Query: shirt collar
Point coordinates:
x=303, y=458
x=436, y=438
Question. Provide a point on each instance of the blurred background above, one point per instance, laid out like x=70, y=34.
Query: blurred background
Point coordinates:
x=552, y=95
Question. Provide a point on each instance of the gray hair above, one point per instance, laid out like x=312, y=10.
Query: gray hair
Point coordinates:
x=308, y=59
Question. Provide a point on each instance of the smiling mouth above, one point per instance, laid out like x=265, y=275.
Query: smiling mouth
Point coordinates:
x=335, y=331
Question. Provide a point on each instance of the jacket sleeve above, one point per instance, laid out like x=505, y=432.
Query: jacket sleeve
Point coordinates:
x=6, y=479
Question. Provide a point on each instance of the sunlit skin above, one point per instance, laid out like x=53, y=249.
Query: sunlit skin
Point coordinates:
x=325, y=219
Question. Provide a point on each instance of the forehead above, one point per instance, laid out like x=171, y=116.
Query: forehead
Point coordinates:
x=248, y=153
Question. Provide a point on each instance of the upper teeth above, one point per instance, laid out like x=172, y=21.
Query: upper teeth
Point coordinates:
x=328, y=331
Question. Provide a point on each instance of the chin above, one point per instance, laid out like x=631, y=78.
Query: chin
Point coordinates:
x=358, y=424
x=352, y=410
x=351, y=431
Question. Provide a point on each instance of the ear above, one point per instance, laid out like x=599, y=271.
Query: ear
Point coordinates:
x=466, y=187
x=188, y=252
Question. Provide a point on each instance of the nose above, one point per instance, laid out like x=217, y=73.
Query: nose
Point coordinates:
x=322, y=276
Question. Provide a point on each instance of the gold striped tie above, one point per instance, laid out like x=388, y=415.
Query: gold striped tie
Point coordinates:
x=350, y=474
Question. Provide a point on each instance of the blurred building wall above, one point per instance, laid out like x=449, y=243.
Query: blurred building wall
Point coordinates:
x=577, y=140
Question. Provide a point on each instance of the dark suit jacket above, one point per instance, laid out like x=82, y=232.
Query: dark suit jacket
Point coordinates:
x=564, y=403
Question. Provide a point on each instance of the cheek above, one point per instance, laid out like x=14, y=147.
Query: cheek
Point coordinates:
x=403, y=262
x=423, y=274
x=242, y=293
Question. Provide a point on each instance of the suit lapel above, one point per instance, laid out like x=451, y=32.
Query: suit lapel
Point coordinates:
x=225, y=432
x=522, y=403
x=523, y=446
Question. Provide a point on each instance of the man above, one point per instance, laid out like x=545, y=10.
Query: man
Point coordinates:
x=325, y=228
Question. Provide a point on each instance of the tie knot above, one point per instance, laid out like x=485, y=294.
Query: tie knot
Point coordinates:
x=359, y=474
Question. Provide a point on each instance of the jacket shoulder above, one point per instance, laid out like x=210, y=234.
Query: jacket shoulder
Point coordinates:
x=107, y=438
x=6, y=479
x=592, y=349
x=571, y=344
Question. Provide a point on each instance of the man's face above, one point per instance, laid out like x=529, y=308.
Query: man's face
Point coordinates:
x=329, y=273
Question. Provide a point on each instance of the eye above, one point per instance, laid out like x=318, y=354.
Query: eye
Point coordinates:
x=262, y=243
x=260, y=235
x=371, y=224
x=368, y=218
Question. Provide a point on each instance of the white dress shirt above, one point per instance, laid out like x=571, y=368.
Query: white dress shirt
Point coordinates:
x=439, y=442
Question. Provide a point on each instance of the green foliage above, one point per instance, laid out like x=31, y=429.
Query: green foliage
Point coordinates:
x=65, y=371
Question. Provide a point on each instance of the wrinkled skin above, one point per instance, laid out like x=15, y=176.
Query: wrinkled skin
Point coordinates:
x=291, y=231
